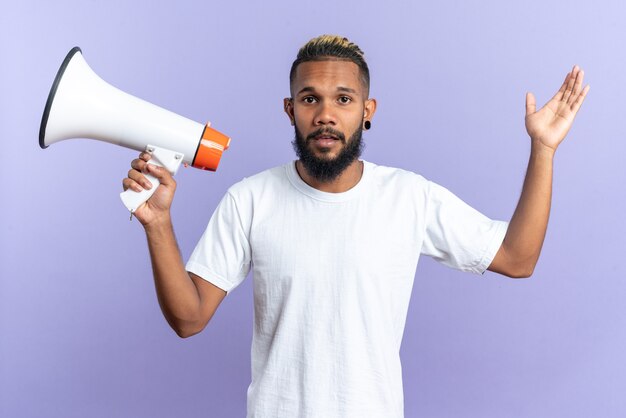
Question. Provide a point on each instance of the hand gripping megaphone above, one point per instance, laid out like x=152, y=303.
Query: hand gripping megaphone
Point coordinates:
x=82, y=105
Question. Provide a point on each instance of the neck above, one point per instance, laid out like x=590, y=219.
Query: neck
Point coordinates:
x=344, y=182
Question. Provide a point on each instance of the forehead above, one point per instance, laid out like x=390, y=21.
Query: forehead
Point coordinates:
x=327, y=74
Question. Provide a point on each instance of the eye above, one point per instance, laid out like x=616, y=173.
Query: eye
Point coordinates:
x=345, y=99
x=309, y=99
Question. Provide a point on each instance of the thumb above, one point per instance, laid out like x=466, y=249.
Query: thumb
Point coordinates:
x=164, y=176
x=530, y=104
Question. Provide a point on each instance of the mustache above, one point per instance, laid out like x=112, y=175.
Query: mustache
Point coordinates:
x=327, y=131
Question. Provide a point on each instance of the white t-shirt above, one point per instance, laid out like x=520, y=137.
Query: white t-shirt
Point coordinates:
x=333, y=274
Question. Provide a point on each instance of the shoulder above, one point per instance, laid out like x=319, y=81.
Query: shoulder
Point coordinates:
x=384, y=176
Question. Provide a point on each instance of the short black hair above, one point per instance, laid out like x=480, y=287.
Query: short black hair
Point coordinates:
x=332, y=47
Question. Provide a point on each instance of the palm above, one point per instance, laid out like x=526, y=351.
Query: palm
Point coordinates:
x=154, y=207
x=551, y=123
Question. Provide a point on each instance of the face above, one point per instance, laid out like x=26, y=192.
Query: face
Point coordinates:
x=328, y=106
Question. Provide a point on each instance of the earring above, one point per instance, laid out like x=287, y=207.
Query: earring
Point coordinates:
x=367, y=125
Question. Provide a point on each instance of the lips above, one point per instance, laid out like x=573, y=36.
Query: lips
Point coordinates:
x=325, y=141
x=326, y=137
x=326, y=134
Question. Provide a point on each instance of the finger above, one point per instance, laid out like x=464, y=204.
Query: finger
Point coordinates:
x=145, y=156
x=559, y=94
x=140, y=179
x=139, y=164
x=580, y=99
x=570, y=84
x=531, y=104
x=131, y=184
x=577, y=86
x=164, y=176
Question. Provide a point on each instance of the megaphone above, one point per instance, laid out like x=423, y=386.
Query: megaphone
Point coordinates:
x=82, y=105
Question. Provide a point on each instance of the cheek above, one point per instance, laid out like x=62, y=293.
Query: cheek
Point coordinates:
x=302, y=119
x=356, y=121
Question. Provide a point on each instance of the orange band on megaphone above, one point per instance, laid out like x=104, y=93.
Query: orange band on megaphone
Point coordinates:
x=210, y=149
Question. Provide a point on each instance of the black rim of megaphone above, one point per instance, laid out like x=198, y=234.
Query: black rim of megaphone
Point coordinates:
x=53, y=90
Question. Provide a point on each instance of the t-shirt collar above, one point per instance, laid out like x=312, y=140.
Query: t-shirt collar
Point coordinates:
x=303, y=187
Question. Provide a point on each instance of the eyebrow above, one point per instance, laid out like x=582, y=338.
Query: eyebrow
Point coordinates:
x=340, y=88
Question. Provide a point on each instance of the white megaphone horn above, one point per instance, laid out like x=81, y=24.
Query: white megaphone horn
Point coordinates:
x=82, y=105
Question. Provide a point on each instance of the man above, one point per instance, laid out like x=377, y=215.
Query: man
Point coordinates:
x=334, y=243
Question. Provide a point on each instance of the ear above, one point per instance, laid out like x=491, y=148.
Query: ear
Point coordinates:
x=370, y=109
x=288, y=107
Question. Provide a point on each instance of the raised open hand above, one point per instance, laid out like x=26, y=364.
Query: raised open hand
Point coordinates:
x=551, y=123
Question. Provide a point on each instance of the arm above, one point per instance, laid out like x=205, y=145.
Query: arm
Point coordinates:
x=187, y=301
x=547, y=128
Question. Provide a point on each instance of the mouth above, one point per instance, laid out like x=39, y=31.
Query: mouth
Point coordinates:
x=325, y=140
x=325, y=137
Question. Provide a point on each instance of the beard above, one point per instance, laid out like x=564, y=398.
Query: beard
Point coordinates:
x=328, y=169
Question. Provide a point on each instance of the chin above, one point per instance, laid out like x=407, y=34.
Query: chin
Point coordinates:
x=325, y=155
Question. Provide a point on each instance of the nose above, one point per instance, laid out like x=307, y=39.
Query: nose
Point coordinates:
x=325, y=114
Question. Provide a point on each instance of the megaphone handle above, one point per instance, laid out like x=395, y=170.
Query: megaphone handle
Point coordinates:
x=132, y=199
x=160, y=157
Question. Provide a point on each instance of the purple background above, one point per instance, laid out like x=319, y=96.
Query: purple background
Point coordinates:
x=81, y=333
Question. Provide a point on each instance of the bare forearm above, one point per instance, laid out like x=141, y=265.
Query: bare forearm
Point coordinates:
x=527, y=229
x=176, y=292
x=547, y=128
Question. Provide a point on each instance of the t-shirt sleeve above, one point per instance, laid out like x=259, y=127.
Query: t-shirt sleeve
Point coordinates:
x=222, y=256
x=457, y=235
